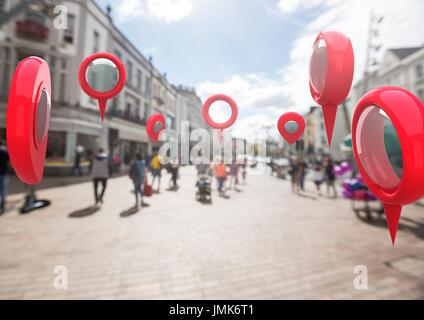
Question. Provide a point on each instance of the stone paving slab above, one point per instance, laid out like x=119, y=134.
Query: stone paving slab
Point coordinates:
x=262, y=243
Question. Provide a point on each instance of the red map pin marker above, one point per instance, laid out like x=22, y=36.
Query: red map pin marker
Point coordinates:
x=155, y=125
x=331, y=74
x=394, y=187
x=220, y=126
x=291, y=126
x=102, y=76
x=28, y=119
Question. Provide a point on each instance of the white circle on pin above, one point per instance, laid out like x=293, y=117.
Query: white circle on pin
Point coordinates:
x=291, y=127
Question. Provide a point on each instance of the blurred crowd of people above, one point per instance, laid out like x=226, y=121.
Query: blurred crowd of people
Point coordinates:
x=322, y=173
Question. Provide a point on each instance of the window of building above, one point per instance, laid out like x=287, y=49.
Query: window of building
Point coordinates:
x=62, y=81
x=419, y=71
x=421, y=94
x=6, y=71
x=128, y=109
x=2, y=7
x=89, y=142
x=147, y=86
x=52, y=65
x=35, y=16
x=96, y=41
x=69, y=33
x=129, y=72
x=139, y=80
x=146, y=111
x=56, y=146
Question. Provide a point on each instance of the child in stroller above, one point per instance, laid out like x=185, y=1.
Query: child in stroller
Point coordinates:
x=203, y=184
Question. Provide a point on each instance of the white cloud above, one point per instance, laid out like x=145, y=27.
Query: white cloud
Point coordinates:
x=292, y=6
x=400, y=28
x=163, y=10
x=258, y=97
x=262, y=98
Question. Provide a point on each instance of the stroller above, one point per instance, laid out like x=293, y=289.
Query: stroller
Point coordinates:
x=203, y=184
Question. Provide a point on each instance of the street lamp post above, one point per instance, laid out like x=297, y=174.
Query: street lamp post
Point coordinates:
x=372, y=48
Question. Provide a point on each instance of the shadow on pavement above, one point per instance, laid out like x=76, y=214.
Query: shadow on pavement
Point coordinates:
x=417, y=229
x=302, y=195
x=130, y=212
x=86, y=212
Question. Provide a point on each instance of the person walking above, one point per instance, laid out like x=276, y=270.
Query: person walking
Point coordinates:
x=244, y=170
x=318, y=176
x=156, y=166
x=294, y=172
x=330, y=177
x=303, y=167
x=221, y=176
x=79, y=151
x=174, y=170
x=100, y=172
x=138, y=174
x=4, y=176
x=234, y=175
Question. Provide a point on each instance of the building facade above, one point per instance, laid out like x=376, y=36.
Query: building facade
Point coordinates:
x=75, y=116
x=315, y=136
x=403, y=67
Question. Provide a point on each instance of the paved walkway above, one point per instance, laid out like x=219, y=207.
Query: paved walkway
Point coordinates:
x=263, y=243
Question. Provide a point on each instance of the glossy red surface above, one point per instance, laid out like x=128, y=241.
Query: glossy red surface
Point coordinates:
x=338, y=76
x=102, y=97
x=406, y=113
x=27, y=153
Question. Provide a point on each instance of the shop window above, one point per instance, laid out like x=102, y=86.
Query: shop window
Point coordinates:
x=56, y=146
x=89, y=142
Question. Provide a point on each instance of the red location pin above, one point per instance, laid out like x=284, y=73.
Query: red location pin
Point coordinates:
x=291, y=126
x=392, y=187
x=220, y=126
x=102, y=76
x=331, y=74
x=28, y=119
x=155, y=125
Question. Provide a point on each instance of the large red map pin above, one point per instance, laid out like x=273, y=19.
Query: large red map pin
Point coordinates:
x=28, y=119
x=394, y=187
x=331, y=74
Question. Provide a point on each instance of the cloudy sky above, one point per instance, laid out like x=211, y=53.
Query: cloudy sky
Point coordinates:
x=257, y=51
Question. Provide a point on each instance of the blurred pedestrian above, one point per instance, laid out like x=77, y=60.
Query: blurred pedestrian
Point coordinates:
x=4, y=175
x=138, y=174
x=79, y=151
x=318, y=176
x=330, y=177
x=234, y=175
x=221, y=176
x=272, y=166
x=100, y=173
x=156, y=167
x=303, y=167
x=244, y=170
x=174, y=171
x=294, y=172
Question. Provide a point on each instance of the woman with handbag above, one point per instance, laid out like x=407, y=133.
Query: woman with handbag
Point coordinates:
x=138, y=174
